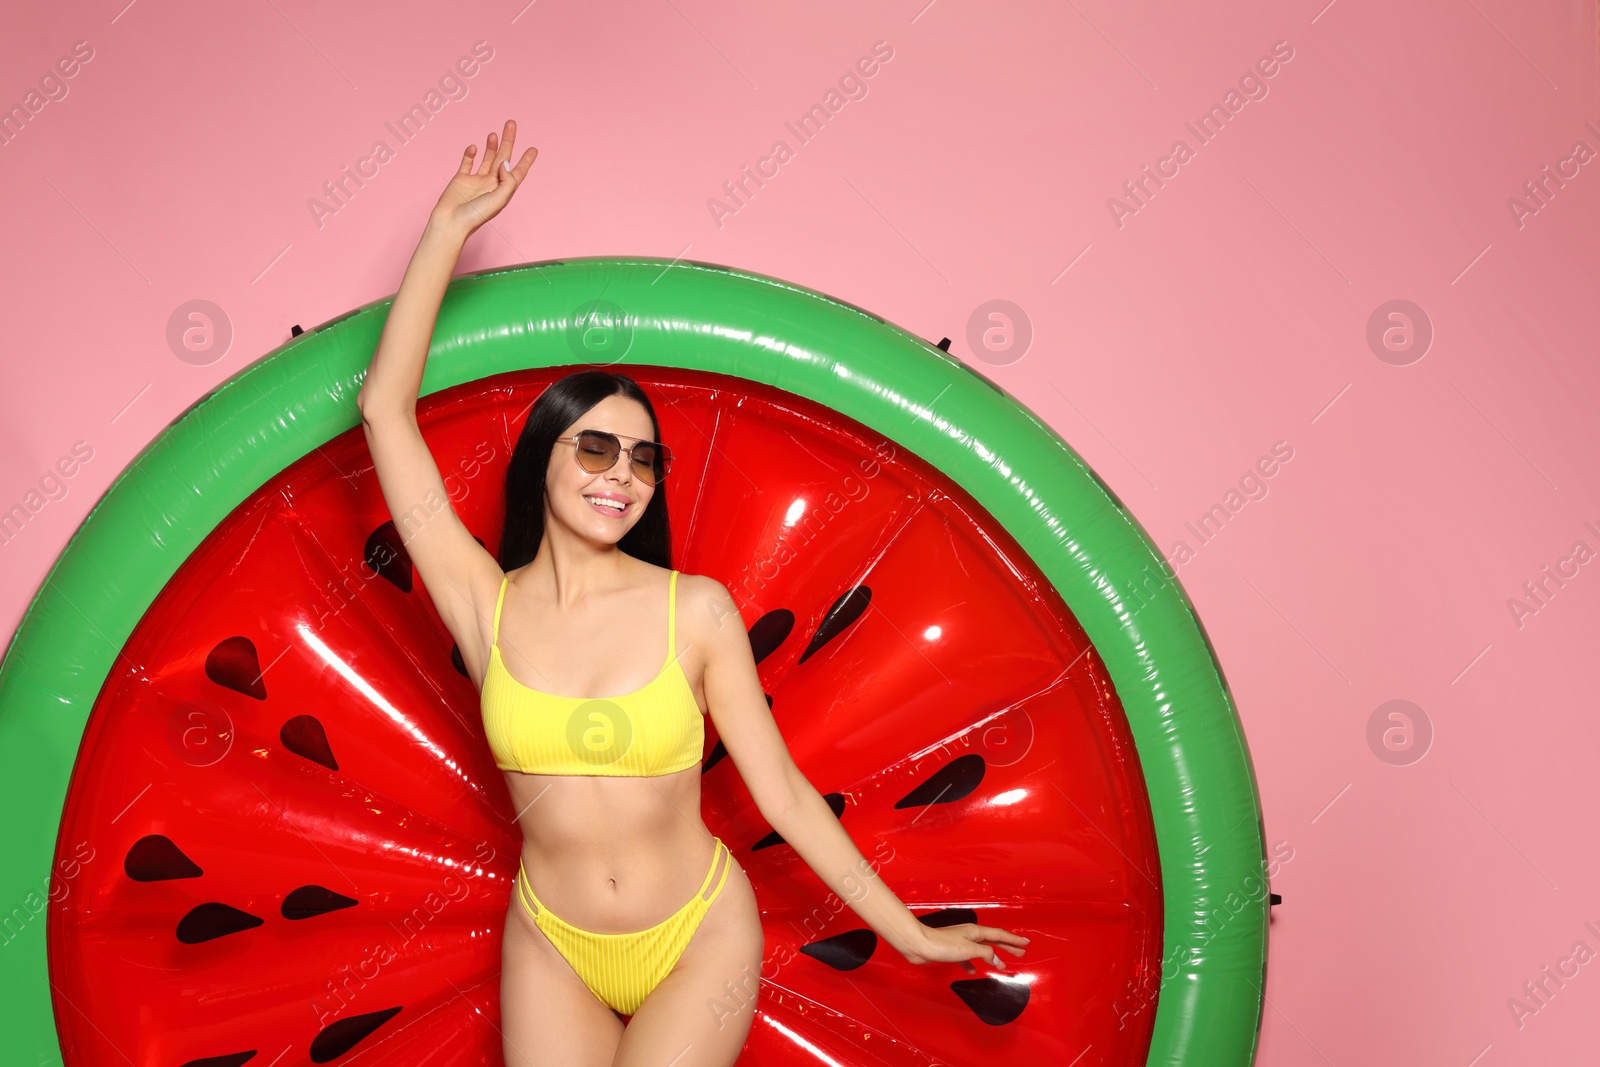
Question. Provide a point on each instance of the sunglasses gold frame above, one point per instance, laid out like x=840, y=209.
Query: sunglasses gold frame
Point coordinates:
x=665, y=453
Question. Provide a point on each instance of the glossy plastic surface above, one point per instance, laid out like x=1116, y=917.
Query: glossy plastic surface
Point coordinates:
x=881, y=715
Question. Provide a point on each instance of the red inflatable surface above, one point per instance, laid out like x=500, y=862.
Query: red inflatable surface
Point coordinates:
x=314, y=850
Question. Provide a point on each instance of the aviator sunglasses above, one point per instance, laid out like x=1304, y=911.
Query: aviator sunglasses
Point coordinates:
x=598, y=450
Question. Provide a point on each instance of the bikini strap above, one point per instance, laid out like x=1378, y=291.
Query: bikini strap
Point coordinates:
x=716, y=854
x=727, y=863
x=672, y=621
x=497, y=604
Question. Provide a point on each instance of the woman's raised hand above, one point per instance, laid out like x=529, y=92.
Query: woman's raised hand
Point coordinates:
x=472, y=199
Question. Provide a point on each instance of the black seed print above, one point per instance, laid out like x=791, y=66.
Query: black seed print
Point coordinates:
x=303, y=735
x=996, y=1001
x=234, y=664
x=843, y=952
x=846, y=610
x=154, y=858
x=835, y=802
x=948, y=917
x=233, y=1059
x=338, y=1038
x=953, y=781
x=205, y=922
x=993, y=1000
x=457, y=662
x=310, y=901
x=718, y=751
x=386, y=554
x=770, y=631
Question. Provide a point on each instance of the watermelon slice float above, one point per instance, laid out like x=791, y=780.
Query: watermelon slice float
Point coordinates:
x=282, y=839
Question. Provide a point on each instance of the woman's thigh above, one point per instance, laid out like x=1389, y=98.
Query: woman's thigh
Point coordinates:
x=700, y=1014
x=548, y=1017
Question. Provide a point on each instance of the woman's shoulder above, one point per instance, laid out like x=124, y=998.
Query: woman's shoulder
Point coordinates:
x=703, y=583
x=703, y=600
x=695, y=594
x=653, y=572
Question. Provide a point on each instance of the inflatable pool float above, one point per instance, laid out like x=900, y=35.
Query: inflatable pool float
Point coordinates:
x=253, y=817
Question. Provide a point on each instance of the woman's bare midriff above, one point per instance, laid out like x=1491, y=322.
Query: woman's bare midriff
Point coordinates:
x=612, y=854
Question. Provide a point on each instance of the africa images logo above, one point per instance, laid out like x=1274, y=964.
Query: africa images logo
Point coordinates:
x=1252, y=86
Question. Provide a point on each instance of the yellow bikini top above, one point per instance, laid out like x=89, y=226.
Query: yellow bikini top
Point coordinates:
x=657, y=729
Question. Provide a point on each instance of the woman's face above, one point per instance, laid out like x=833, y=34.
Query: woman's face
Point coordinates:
x=568, y=486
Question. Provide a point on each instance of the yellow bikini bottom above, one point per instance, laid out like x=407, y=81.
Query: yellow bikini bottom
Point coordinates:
x=621, y=969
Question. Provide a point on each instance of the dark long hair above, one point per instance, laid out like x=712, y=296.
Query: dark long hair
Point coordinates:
x=559, y=406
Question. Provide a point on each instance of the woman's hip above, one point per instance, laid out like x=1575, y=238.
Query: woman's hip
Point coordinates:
x=687, y=912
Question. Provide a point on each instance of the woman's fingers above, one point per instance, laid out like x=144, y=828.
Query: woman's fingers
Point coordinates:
x=968, y=942
x=511, y=177
x=508, y=141
x=1012, y=942
x=475, y=195
x=491, y=146
x=497, y=150
x=525, y=163
x=505, y=185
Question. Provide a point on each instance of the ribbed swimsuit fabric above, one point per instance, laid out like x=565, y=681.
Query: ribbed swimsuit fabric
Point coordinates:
x=622, y=969
x=656, y=729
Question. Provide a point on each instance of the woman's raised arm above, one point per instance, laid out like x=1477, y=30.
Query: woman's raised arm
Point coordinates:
x=461, y=576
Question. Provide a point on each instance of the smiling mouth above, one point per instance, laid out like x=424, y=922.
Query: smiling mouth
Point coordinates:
x=613, y=508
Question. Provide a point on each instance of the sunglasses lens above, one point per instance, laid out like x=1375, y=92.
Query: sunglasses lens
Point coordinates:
x=649, y=462
x=597, y=451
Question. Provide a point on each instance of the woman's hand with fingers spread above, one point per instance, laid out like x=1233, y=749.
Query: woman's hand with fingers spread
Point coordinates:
x=964, y=943
x=473, y=198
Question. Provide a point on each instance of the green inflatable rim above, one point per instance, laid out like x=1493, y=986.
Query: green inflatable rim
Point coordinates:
x=692, y=316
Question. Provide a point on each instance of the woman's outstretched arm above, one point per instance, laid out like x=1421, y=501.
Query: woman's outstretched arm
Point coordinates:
x=794, y=808
x=461, y=577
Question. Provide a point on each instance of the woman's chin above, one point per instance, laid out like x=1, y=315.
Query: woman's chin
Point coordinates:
x=600, y=531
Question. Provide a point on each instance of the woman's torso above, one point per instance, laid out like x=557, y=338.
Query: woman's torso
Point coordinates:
x=609, y=853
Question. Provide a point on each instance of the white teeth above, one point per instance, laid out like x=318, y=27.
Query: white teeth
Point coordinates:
x=607, y=502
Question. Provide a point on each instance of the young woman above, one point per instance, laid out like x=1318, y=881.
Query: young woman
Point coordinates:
x=606, y=920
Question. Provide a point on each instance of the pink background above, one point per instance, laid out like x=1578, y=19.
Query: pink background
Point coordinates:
x=1228, y=313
